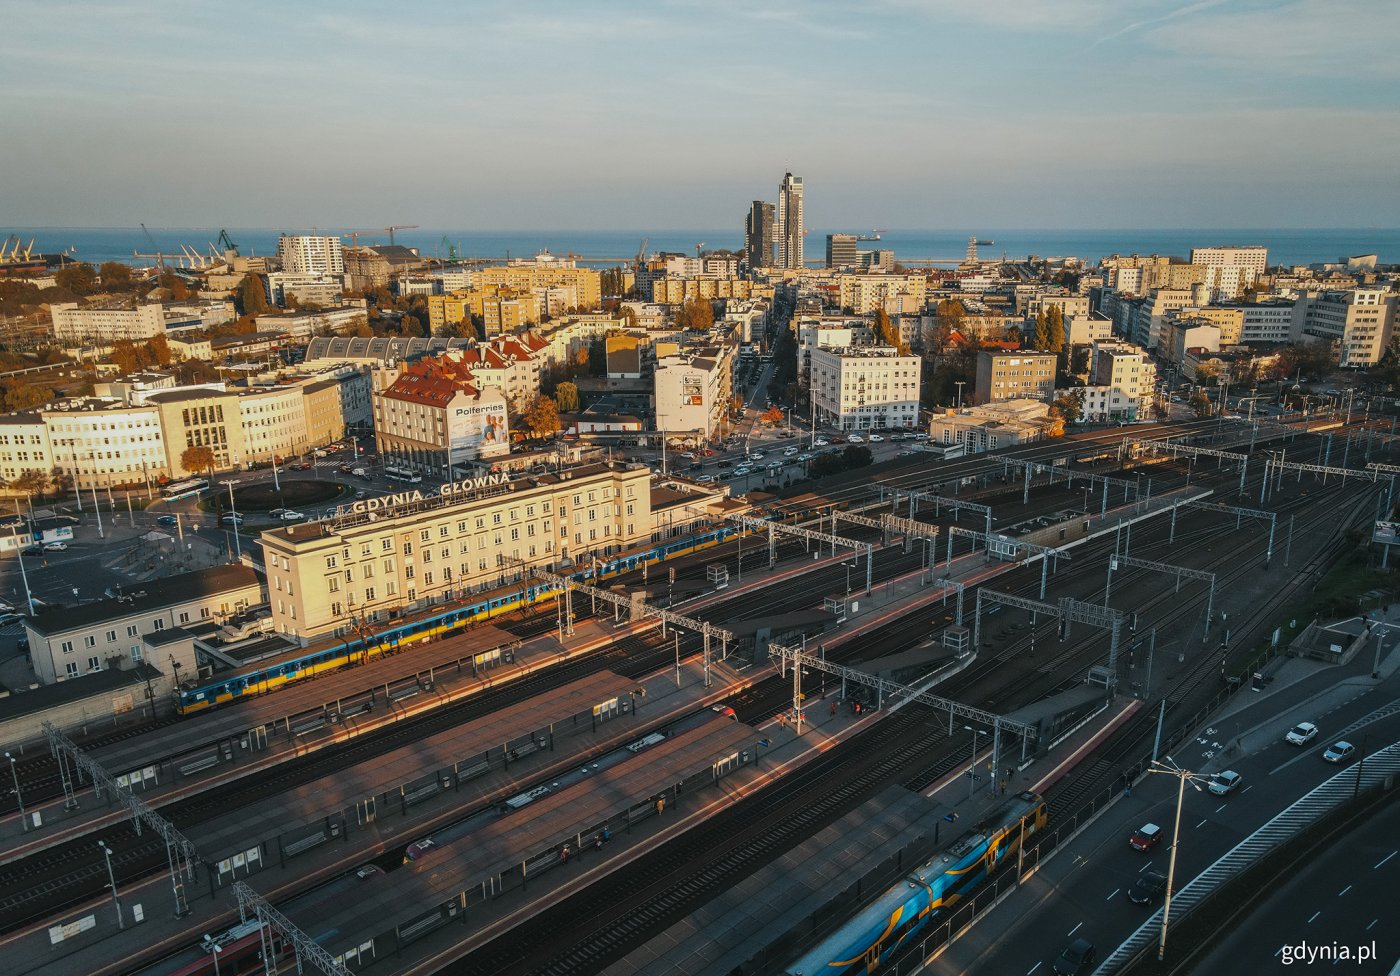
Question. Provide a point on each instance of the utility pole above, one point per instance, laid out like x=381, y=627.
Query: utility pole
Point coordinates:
x=19, y=798
x=1183, y=776
x=112, y=882
x=233, y=509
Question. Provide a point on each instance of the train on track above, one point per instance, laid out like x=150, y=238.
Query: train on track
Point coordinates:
x=446, y=622
x=868, y=941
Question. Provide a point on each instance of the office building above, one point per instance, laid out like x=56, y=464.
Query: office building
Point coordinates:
x=1014, y=376
x=311, y=255
x=406, y=551
x=1359, y=321
x=758, y=235
x=790, y=225
x=868, y=388
x=841, y=251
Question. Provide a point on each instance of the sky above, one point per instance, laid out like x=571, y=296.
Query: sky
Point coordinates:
x=678, y=113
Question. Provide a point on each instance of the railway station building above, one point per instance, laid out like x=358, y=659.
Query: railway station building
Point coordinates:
x=401, y=553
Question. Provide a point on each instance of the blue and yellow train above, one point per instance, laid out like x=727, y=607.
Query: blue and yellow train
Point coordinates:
x=872, y=937
x=444, y=622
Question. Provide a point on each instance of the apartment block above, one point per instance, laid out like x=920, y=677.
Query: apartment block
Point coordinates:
x=896, y=294
x=1359, y=321
x=1014, y=376
x=694, y=390
x=870, y=388
x=1255, y=257
x=314, y=255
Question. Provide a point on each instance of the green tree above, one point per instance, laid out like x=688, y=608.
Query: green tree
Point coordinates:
x=1070, y=404
x=115, y=276
x=1055, y=328
x=197, y=457
x=76, y=279
x=542, y=417
x=855, y=456
x=251, y=296
x=566, y=397
x=1040, y=338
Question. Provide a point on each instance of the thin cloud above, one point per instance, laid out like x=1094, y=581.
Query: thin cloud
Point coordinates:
x=1186, y=11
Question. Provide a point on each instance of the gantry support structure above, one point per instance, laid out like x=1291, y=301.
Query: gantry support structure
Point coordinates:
x=180, y=854
x=635, y=604
x=1176, y=450
x=1235, y=510
x=1049, y=556
x=938, y=502
x=1031, y=468
x=799, y=658
x=1180, y=572
x=774, y=529
x=1067, y=610
x=306, y=949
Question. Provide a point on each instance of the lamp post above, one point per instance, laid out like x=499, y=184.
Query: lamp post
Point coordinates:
x=112, y=882
x=677, y=632
x=19, y=798
x=214, y=951
x=960, y=384
x=233, y=509
x=972, y=769
x=1183, y=776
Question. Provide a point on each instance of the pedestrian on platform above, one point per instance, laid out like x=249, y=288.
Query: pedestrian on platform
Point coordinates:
x=564, y=854
x=833, y=707
x=660, y=805
x=607, y=835
x=598, y=842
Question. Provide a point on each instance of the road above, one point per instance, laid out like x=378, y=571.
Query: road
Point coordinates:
x=1082, y=892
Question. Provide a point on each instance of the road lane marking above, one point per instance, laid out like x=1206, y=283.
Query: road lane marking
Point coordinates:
x=1219, y=808
x=1247, y=789
x=1144, y=867
x=1201, y=824
x=1384, y=859
x=1372, y=925
x=1037, y=966
x=1314, y=916
x=1344, y=891
x=1075, y=929
x=1115, y=891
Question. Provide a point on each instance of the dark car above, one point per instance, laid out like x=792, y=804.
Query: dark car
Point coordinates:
x=1145, y=837
x=1148, y=887
x=1078, y=957
x=168, y=520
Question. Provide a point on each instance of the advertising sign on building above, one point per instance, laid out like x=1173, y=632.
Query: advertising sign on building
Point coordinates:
x=479, y=429
x=1385, y=533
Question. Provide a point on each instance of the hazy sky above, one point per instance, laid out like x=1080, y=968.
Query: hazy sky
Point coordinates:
x=672, y=113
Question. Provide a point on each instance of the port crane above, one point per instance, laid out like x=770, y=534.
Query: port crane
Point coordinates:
x=355, y=235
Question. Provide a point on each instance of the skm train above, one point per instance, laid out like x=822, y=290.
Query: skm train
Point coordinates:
x=868, y=941
x=355, y=650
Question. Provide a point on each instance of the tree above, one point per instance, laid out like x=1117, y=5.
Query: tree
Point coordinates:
x=1055, y=327
x=1040, y=338
x=115, y=276
x=20, y=395
x=566, y=397
x=61, y=481
x=696, y=315
x=193, y=371
x=1200, y=404
x=737, y=404
x=178, y=288
x=125, y=357
x=32, y=482
x=251, y=296
x=1070, y=404
x=361, y=329
x=76, y=279
x=542, y=417
x=197, y=457
x=855, y=456
x=773, y=416
x=158, y=349
x=887, y=333
x=412, y=326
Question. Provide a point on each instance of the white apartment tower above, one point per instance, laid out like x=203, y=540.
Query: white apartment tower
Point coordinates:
x=1255, y=257
x=311, y=255
x=790, y=222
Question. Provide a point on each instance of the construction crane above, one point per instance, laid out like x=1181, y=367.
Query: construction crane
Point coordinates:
x=641, y=252
x=697, y=250
x=399, y=227
x=226, y=243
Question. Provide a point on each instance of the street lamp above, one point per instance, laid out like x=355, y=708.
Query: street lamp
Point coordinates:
x=112, y=882
x=848, y=567
x=233, y=509
x=214, y=951
x=677, y=632
x=24, y=821
x=972, y=769
x=1183, y=776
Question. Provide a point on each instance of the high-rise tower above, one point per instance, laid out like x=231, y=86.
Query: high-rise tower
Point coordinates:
x=758, y=235
x=790, y=222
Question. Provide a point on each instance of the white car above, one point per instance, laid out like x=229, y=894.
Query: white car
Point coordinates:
x=706, y=479
x=55, y=547
x=790, y=452
x=856, y=439
x=290, y=516
x=1337, y=752
x=876, y=439
x=1301, y=734
x=1225, y=783
x=804, y=456
x=742, y=470
x=821, y=442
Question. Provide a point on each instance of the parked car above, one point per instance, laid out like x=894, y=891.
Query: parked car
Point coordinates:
x=1148, y=887
x=168, y=520
x=820, y=442
x=55, y=547
x=1224, y=783
x=1077, y=957
x=1146, y=837
x=10, y=618
x=1339, y=752
x=1301, y=734
x=876, y=439
x=290, y=516
x=856, y=439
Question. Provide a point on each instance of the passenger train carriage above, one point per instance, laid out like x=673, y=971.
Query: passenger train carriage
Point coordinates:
x=446, y=622
x=866, y=942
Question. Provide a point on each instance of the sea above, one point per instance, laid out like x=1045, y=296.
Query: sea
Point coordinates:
x=1286, y=246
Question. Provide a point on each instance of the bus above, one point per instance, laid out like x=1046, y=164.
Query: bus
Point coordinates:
x=184, y=489
x=402, y=474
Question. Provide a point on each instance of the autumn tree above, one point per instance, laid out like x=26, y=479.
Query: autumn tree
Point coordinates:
x=197, y=457
x=542, y=417
x=32, y=482
x=251, y=296
x=1070, y=404
x=696, y=315
x=1200, y=404
x=566, y=397
x=76, y=279
x=773, y=416
x=177, y=287
x=20, y=395
x=158, y=350
x=125, y=357
x=193, y=371
x=412, y=326
x=115, y=276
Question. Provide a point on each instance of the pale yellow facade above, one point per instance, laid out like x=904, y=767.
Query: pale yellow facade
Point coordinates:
x=677, y=291
x=327, y=577
x=896, y=294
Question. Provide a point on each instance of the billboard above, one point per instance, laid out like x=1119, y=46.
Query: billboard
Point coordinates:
x=480, y=428
x=1385, y=533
